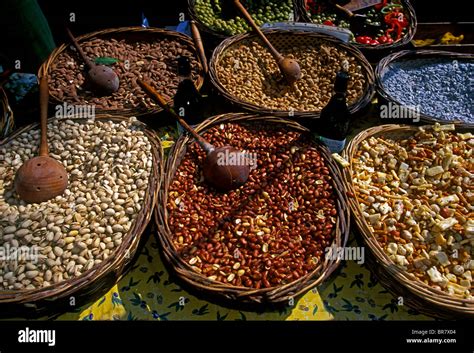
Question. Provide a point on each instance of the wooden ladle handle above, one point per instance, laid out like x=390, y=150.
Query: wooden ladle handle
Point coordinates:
x=347, y=12
x=86, y=60
x=44, y=97
x=4, y=76
x=200, y=47
x=162, y=103
x=278, y=57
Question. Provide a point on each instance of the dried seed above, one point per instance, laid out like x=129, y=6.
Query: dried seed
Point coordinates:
x=31, y=274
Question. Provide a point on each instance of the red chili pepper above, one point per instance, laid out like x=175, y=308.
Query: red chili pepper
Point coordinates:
x=382, y=39
x=389, y=30
x=402, y=20
x=396, y=17
x=399, y=30
x=374, y=42
x=397, y=22
x=328, y=23
x=381, y=5
x=388, y=18
x=387, y=34
x=363, y=39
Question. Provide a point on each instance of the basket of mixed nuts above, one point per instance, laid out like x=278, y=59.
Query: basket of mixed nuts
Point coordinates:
x=213, y=19
x=73, y=248
x=431, y=86
x=132, y=52
x=245, y=73
x=412, y=202
x=389, y=25
x=265, y=242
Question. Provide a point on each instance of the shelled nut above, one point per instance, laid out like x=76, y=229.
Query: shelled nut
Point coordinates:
x=58, y=239
x=267, y=232
x=424, y=204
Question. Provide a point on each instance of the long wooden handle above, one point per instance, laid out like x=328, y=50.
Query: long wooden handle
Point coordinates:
x=44, y=97
x=278, y=57
x=198, y=41
x=158, y=98
x=4, y=76
x=347, y=12
x=86, y=60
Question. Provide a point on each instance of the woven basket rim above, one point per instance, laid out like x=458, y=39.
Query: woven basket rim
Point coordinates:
x=122, y=255
x=45, y=68
x=7, y=118
x=384, y=66
x=227, y=43
x=409, y=12
x=271, y=295
x=439, y=300
x=219, y=35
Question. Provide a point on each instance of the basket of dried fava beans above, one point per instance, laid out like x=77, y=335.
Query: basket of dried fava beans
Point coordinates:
x=221, y=23
x=264, y=242
x=245, y=73
x=132, y=52
x=79, y=244
x=412, y=202
x=389, y=25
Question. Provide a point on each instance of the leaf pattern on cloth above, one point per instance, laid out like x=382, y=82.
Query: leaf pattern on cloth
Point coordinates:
x=353, y=294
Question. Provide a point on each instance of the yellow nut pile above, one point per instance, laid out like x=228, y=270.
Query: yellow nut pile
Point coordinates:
x=248, y=71
x=417, y=196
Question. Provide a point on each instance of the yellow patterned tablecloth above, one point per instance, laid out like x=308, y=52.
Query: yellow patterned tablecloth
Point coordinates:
x=148, y=293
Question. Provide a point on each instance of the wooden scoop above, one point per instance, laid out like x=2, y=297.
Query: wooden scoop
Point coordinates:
x=217, y=168
x=101, y=79
x=289, y=68
x=355, y=5
x=357, y=22
x=41, y=178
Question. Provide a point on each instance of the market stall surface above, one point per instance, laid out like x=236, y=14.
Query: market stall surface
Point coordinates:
x=150, y=292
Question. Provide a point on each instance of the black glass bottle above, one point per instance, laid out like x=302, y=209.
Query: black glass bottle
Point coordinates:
x=188, y=102
x=333, y=125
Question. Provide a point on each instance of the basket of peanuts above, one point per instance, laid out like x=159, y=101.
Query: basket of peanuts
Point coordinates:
x=246, y=74
x=266, y=241
x=411, y=197
x=72, y=249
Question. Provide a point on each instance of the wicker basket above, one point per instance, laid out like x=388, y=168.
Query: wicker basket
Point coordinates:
x=226, y=292
x=384, y=66
x=415, y=293
x=55, y=299
x=132, y=34
x=219, y=35
x=282, y=39
x=374, y=51
x=7, y=120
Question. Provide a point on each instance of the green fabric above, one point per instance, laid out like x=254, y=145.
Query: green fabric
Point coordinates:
x=31, y=40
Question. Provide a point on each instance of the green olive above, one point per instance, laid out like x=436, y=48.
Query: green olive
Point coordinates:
x=263, y=11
